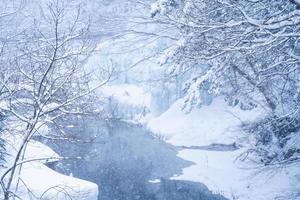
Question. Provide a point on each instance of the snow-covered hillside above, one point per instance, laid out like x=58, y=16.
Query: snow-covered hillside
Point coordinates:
x=213, y=125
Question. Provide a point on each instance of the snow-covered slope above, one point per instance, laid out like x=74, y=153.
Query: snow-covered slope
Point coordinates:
x=220, y=170
x=215, y=123
x=37, y=181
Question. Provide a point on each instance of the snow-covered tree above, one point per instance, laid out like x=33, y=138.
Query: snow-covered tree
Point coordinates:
x=243, y=41
x=247, y=51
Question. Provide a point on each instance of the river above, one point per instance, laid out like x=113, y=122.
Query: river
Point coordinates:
x=123, y=158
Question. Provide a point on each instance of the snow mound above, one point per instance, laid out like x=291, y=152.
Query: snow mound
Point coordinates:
x=44, y=183
x=209, y=124
x=37, y=150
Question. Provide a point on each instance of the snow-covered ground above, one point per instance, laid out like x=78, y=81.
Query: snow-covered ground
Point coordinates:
x=220, y=170
x=37, y=181
x=216, y=123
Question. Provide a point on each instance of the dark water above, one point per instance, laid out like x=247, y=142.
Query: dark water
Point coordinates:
x=121, y=158
x=183, y=190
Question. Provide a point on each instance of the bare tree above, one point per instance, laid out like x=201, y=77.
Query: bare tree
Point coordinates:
x=45, y=78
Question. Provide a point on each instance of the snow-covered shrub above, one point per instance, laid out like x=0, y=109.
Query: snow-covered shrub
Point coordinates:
x=276, y=140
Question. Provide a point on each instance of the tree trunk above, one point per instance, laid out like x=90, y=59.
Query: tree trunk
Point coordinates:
x=261, y=89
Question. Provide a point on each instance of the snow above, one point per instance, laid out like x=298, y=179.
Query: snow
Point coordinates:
x=154, y=181
x=210, y=124
x=221, y=171
x=55, y=186
x=223, y=174
x=37, y=150
x=43, y=182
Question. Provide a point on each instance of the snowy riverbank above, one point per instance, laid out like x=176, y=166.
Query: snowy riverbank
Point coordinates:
x=220, y=170
x=37, y=181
